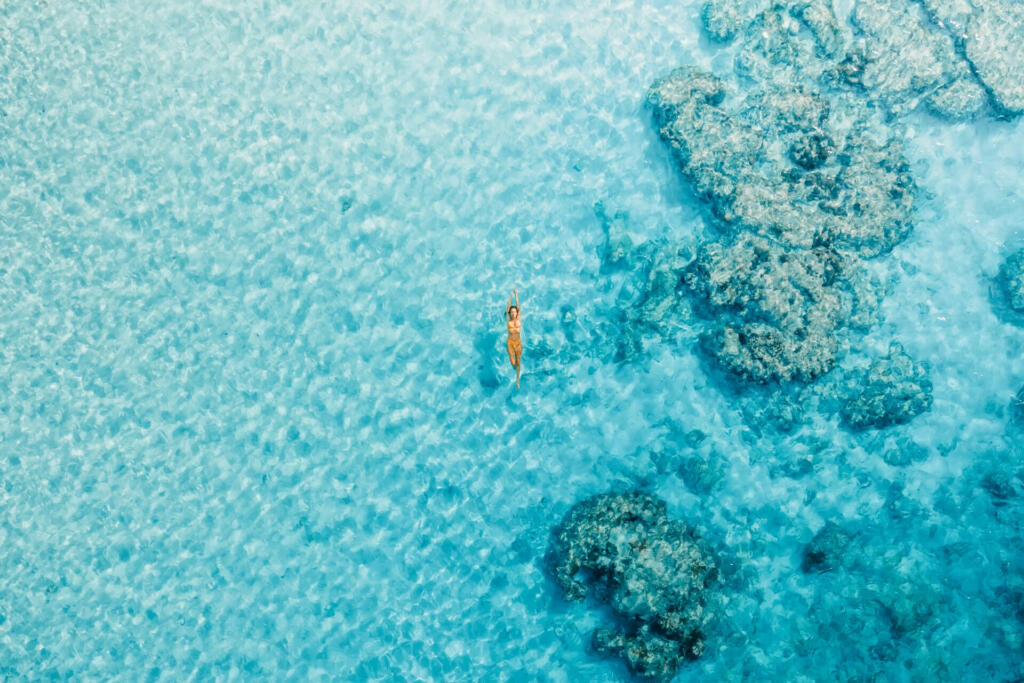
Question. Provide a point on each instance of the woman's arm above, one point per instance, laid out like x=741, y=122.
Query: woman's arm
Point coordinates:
x=508, y=306
x=515, y=290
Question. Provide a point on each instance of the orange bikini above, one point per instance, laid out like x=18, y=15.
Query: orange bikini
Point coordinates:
x=515, y=343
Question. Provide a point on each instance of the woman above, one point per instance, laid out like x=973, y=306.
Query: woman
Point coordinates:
x=515, y=327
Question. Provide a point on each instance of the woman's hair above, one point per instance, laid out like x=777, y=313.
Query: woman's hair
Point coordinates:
x=510, y=307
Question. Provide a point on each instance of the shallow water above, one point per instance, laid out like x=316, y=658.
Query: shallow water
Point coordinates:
x=257, y=418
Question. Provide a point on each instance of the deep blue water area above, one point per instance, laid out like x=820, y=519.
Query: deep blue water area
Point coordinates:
x=257, y=420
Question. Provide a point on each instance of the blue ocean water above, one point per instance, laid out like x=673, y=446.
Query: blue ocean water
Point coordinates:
x=257, y=420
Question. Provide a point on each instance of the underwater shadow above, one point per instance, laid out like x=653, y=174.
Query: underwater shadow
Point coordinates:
x=488, y=347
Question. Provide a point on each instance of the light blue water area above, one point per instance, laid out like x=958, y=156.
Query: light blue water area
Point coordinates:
x=256, y=414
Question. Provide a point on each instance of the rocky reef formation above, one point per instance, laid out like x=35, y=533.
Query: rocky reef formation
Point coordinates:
x=649, y=302
x=905, y=453
x=780, y=164
x=993, y=44
x=1011, y=281
x=777, y=309
x=957, y=59
x=802, y=189
x=802, y=169
x=905, y=59
x=827, y=550
x=860, y=567
x=892, y=390
x=881, y=591
x=652, y=571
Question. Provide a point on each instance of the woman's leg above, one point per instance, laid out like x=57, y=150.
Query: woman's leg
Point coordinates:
x=511, y=353
x=519, y=364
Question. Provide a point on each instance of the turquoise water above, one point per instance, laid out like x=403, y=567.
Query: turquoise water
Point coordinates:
x=257, y=419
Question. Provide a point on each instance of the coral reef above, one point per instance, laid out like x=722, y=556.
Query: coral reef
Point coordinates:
x=820, y=18
x=951, y=15
x=660, y=307
x=994, y=45
x=827, y=550
x=804, y=174
x=647, y=653
x=958, y=58
x=652, y=571
x=772, y=48
x=839, y=186
x=798, y=158
x=702, y=473
x=775, y=310
x=803, y=191
x=859, y=566
x=648, y=302
x=723, y=19
x=906, y=453
x=812, y=151
x=892, y=390
x=908, y=59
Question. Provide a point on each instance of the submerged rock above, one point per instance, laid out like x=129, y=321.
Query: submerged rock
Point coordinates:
x=647, y=653
x=723, y=19
x=1011, y=281
x=805, y=191
x=893, y=390
x=1000, y=485
x=827, y=550
x=910, y=59
x=617, y=247
x=994, y=43
x=655, y=304
x=950, y=15
x=873, y=593
x=954, y=57
x=652, y=571
x=819, y=16
x=772, y=49
x=776, y=310
x=703, y=473
x=823, y=182
x=660, y=307
x=812, y=151
x=799, y=175
x=904, y=454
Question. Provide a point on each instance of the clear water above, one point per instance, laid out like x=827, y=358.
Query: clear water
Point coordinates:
x=256, y=415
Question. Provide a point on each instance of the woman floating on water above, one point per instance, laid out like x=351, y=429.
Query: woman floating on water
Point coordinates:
x=515, y=326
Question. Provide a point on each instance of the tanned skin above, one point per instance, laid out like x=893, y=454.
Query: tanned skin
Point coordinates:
x=514, y=320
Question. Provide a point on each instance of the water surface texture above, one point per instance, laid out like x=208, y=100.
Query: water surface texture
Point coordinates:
x=256, y=416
